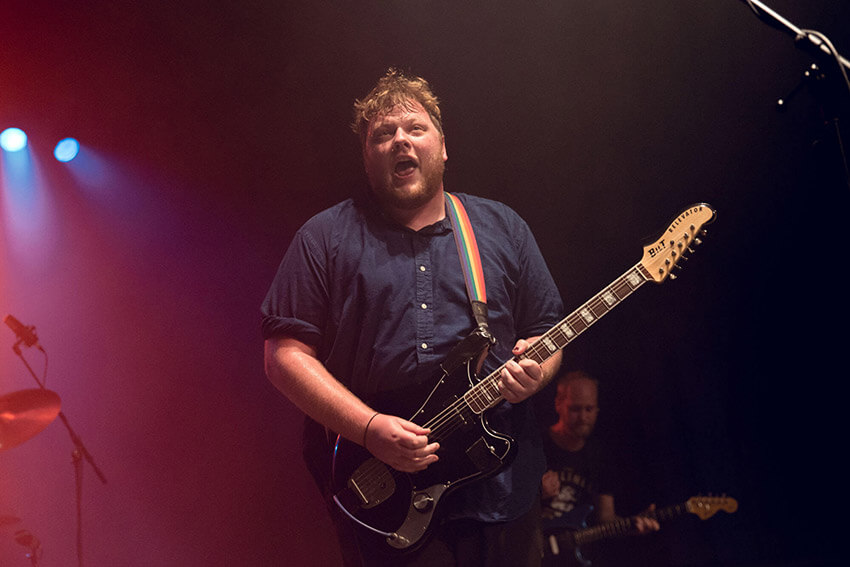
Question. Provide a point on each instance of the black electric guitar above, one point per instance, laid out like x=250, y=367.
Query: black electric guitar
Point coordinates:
x=398, y=508
x=568, y=543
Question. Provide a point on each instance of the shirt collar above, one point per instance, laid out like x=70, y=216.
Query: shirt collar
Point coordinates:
x=375, y=212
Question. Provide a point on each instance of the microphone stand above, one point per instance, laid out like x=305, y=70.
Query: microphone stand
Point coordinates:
x=77, y=455
x=826, y=91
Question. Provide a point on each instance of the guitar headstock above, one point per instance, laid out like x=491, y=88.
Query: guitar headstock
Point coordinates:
x=660, y=257
x=706, y=506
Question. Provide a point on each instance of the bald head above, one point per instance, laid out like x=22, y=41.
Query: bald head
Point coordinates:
x=577, y=404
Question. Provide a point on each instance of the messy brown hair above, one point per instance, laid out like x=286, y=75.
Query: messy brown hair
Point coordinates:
x=393, y=89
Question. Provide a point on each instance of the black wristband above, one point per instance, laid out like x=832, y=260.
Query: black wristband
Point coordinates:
x=365, y=431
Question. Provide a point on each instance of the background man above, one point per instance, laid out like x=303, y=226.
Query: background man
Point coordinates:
x=579, y=482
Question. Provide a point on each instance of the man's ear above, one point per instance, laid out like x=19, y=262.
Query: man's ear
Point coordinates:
x=445, y=155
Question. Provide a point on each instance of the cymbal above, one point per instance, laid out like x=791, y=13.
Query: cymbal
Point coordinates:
x=24, y=414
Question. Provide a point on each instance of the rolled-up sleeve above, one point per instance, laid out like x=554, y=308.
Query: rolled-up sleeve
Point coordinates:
x=296, y=303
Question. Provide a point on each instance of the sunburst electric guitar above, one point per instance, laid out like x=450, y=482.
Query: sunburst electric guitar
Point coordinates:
x=399, y=508
x=570, y=542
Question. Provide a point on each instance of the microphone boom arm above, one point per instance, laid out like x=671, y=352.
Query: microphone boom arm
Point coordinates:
x=810, y=40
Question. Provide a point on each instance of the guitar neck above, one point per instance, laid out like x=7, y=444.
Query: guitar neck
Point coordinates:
x=622, y=526
x=486, y=395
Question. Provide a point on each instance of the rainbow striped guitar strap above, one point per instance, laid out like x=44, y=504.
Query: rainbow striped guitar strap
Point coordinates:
x=470, y=259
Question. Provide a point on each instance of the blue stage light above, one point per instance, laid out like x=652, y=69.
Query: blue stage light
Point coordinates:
x=13, y=139
x=66, y=149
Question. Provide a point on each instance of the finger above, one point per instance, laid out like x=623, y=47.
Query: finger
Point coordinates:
x=519, y=372
x=412, y=442
x=416, y=464
x=526, y=372
x=428, y=459
x=422, y=464
x=413, y=428
x=421, y=452
x=516, y=379
x=508, y=386
x=532, y=369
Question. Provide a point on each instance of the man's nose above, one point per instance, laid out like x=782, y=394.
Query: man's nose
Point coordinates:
x=400, y=139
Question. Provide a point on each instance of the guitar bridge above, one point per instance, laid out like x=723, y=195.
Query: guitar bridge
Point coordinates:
x=372, y=483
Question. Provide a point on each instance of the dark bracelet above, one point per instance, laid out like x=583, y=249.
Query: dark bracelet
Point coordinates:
x=365, y=431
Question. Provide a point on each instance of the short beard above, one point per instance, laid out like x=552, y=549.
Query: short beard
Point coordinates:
x=432, y=182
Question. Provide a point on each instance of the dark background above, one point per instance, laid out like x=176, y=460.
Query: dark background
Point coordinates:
x=212, y=130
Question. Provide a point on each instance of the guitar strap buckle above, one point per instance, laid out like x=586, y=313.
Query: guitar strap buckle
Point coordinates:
x=476, y=343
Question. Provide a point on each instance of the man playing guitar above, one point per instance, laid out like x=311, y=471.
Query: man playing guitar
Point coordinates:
x=577, y=484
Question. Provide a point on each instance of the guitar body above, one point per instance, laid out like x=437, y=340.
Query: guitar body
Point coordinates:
x=567, y=558
x=559, y=546
x=399, y=508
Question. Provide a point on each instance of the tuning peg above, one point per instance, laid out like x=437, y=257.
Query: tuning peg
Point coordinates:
x=672, y=276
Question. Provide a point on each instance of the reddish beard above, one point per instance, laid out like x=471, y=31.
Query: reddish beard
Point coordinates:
x=432, y=181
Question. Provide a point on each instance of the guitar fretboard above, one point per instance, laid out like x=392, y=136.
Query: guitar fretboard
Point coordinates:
x=701, y=507
x=622, y=526
x=486, y=395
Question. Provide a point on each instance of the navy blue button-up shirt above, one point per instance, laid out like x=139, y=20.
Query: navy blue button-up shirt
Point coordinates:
x=384, y=305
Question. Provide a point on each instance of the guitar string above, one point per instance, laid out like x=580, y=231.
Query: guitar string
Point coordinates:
x=536, y=350
x=448, y=421
x=451, y=414
x=620, y=288
x=450, y=418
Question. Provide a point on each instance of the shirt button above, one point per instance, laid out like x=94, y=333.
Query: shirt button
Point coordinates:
x=424, y=346
x=421, y=268
x=424, y=306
